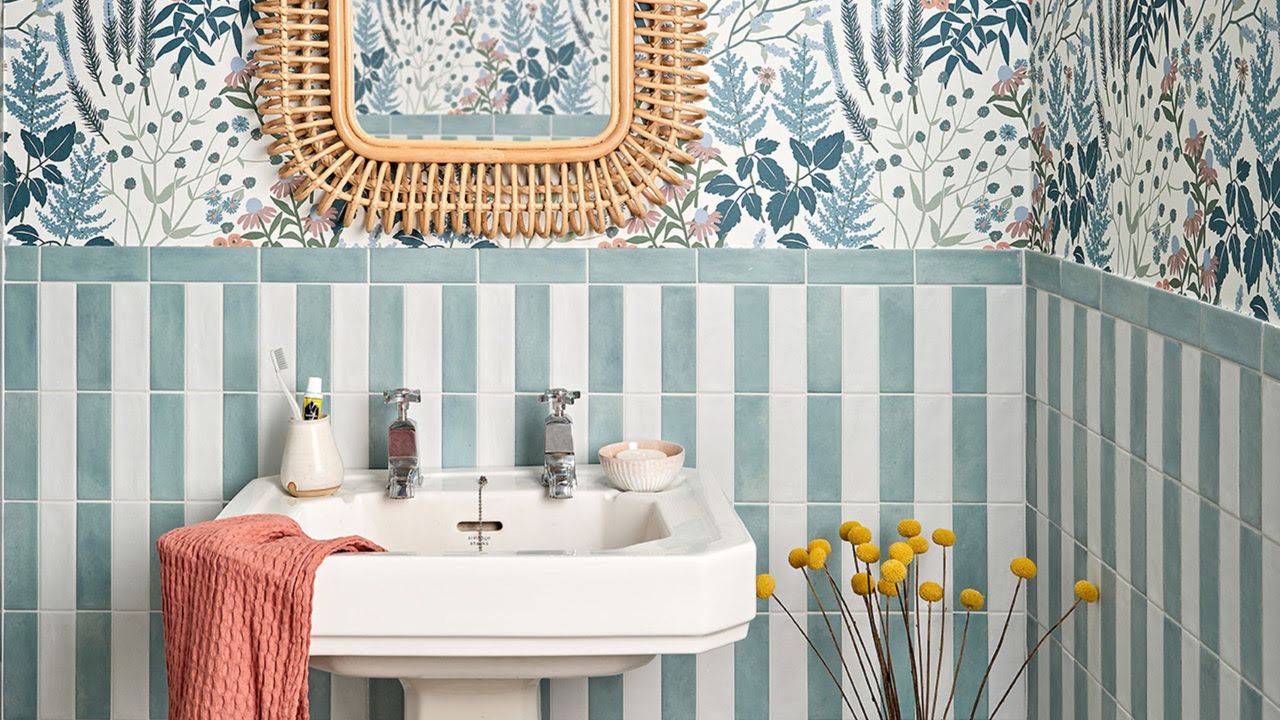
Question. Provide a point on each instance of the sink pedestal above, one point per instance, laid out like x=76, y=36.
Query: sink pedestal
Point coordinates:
x=503, y=699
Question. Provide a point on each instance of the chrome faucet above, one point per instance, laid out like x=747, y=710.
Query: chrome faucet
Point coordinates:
x=402, y=446
x=559, y=471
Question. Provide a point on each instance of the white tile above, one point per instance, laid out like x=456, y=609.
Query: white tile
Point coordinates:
x=788, y=448
x=130, y=446
x=1228, y=693
x=57, y=555
x=860, y=448
x=1155, y=662
x=495, y=430
x=569, y=328
x=130, y=556
x=715, y=684
x=933, y=339
x=57, y=446
x=350, y=339
x=1155, y=531
x=1189, y=450
x=201, y=511
x=715, y=338
x=349, y=417
x=715, y=439
x=130, y=665
x=422, y=343
x=1271, y=621
x=860, y=338
x=933, y=466
x=278, y=328
x=1006, y=533
x=788, y=653
x=496, y=338
x=1093, y=486
x=349, y=698
x=130, y=336
x=428, y=416
x=203, y=446
x=1155, y=401
x=1271, y=458
x=1042, y=346
x=1192, y=565
x=569, y=698
x=1190, y=675
x=1229, y=577
x=642, y=692
x=1042, y=457
x=57, y=301
x=1124, y=383
x=1066, y=498
x=641, y=339
x=55, y=684
x=1093, y=379
x=788, y=349
x=1006, y=339
x=788, y=528
x=641, y=417
x=1006, y=666
x=1006, y=448
x=1124, y=659
x=203, y=333
x=1229, y=439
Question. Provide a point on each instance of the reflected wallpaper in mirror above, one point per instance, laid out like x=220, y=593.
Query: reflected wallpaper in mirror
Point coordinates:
x=498, y=70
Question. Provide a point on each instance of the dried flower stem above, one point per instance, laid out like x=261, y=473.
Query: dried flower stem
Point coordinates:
x=859, y=647
x=835, y=638
x=942, y=638
x=987, y=675
x=1034, y=650
x=834, y=679
x=911, y=652
x=955, y=677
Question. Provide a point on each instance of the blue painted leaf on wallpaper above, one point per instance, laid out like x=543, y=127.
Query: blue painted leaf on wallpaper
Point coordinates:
x=59, y=141
x=730, y=216
x=1258, y=305
x=25, y=234
x=722, y=184
x=808, y=199
x=744, y=166
x=751, y=203
x=771, y=175
x=1255, y=252
x=801, y=153
x=782, y=208
x=827, y=151
x=821, y=182
x=765, y=146
x=795, y=241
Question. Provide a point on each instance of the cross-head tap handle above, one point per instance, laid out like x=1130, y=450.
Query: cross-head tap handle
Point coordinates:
x=559, y=398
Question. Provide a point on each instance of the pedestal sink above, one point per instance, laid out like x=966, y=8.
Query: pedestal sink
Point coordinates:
x=488, y=587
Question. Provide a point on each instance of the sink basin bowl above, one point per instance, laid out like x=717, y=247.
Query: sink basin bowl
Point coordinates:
x=486, y=589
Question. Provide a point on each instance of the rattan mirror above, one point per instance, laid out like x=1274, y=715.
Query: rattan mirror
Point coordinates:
x=517, y=182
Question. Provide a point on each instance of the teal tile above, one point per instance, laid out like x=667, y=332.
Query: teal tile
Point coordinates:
x=533, y=338
x=374, y=124
x=1080, y=481
x=1271, y=351
x=534, y=265
x=1250, y=598
x=751, y=338
x=424, y=265
x=897, y=448
x=1054, y=333
x=1080, y=284
x=380, y=416
x=522, y=124
x=1107, y=502
x=1043, y=271
x=951, y=266
x=21, y=262
x=1250, y=442
x=1030, y=464
x=240, y=337
x=973, y=664
x=1125, y=298
x=167, y=442
x=1171, y=547
x=93, y=556
x=604, y=338
x=679, y=339
x=458, y=338
x=897, y=339
x=1138, y=650
x=861, y=267
x=969, y=522
x=466, y=125
x=314, y=265
x=823, y=699
x=93, y=446
x=93, y=264
x=1234, y=336
x=529, y=431
x=1210, y=575
x=750, y=448
x=21, y=555
x=1079, y=365
x=386, y=337
x=204, y=264
x=969, y=340
x=1109, y=588
x=19, y=676
x=458, y=430
x=21, y=448
x=1138, y=392
x=386, y=699
x=680, y=424
x=1138, y=524
x=158, y=684
x=319, y=694
x=824, y=449
x=604, y=698
x=1171, y=421
x=93, y=336
x=749, y=265
x=1210, y=413
x=1250, y=703
x=577, y=126
x=679, y=686
x=642, y=265
x=168, y=336
x=969, y=448
x=1172, y=675
x=751, y=671
x=1210, y=679
x=1053, y=483
x=1107, y=377
x=1031, y=317
x=1175, y=316
x=414, y=126
x=240, y=442
x=823, y=321
x=314, y=318
x=164, y=517
x=21, y=343
x=604, y=423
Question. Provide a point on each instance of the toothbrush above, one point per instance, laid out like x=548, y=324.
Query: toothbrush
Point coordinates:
x=280, y=363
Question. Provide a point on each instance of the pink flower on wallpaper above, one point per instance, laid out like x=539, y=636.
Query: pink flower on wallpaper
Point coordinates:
x=232, y=240
x=319, y=223
x=676, y=192
x=702, y=149
x=241, y=71
x=284, y=187
x=1010, y=79
x=942, y=5
x=705, y=224
x=640, y=223
x=256, y=214
x=1170, y=75
x=1021, y=225
x=617, y=242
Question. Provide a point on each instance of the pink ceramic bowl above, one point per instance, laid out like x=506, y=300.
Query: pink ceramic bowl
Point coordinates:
x=642, y=475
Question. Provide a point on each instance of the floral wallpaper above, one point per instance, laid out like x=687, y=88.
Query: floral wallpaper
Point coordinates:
x=1155, y=151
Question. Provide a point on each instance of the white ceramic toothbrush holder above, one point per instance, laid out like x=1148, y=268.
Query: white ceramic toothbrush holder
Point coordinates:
x=311, y=466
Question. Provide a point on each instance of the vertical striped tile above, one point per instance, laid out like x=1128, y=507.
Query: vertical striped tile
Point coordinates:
x=860, y=335
x=751, y=671
x=168, y=336
x=314, y=323
x=1080, y=365
x=131, y=336
x=751, y=338
x=715, y=347
x=1250, y=599
x=969, y=449
x=679, y=686
x=21, y=339
x=93, y=446
x=642, y=339
x=751, y=448
x=93, y=336
x=1250, y=443
x=824, y=448
x=93, y=665
x=897, y=449
x=1031, y=368
x=21, y=449
x=350, y=330
x=1171, y=442
x=167, y=461
x=680, y=424
x=679, y=338
x=386, y=337
x=458, y=338
x=157, y=682
x=604, y=698
x=897, y=339
x=1053, y=333
x=604, y=422
x=319, y=691
x=57, y=416
x=1138, y=392
x=605, y=340
x=824, y=322
x=239, y=442
x=969, y=340
x=164, y=517
x=495, y=338
x=458, y=431
x=21, y=556
x=932, y=344
x=240, y=337
x=57, y=697
x=57, y=334
x=93, y=556
x=19, y=677
x=533, y=338
x=202, y=355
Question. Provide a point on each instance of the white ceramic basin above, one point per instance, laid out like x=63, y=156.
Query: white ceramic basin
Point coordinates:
x=469, y=617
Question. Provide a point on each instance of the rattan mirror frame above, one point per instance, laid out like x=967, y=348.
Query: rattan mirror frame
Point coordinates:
x=536, y=188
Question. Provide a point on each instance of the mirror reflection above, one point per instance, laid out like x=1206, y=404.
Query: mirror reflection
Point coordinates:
x=520, y=70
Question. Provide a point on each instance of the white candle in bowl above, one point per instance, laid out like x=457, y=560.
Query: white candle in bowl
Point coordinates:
x=640, y=454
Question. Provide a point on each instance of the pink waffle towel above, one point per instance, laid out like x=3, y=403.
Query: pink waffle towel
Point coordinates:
x=237, y=616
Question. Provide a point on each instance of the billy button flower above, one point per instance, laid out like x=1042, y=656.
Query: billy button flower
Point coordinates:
x=931, y=592
x=887, y=588
x=765, y=585
x=798, y=558
x=1024, y=568
x=845, y=527
x=868, y=553
x=894, y=571
x=859, y=535
x=820, y=543
x=862, y=583
x=918, y=544
x=943, y=537
x=901, y=552
x=971, y=599
x=909, y=528
x=817, y=558
x=1087, y=591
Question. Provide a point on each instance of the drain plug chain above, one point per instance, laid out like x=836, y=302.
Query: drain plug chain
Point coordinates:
x=480, y=512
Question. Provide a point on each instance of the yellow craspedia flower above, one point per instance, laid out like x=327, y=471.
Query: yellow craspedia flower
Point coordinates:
x=846, y=526
x=971, y=599
x=859, y=535
x=901, y=552
x=893, y=571
x=764, y=586
x=798, y=558
x=1087, y=591
x=1024, y=568
x=918, y=544
x=820, y=543
x=909, y=528
x=867, y=553
x=863, y=584
x=944, y=537
x=817, y=558
x=931, y=592
x=887, y=588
